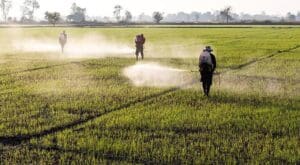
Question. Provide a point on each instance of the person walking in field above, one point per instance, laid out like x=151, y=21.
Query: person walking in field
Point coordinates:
x=139, y=44
x=63, y=38
x=207, y=66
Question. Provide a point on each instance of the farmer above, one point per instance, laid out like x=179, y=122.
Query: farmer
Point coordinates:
x=63, y=38
x=207, y=66
x=139, y=44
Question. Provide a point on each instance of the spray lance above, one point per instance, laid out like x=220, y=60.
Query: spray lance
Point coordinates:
x=216, y=74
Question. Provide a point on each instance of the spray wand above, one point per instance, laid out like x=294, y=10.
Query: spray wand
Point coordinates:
x=216, y=73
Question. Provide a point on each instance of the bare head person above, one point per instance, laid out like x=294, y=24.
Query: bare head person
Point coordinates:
x=139, y=43
x=63, y=40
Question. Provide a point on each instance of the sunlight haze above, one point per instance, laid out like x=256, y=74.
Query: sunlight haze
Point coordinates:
x=105, y=8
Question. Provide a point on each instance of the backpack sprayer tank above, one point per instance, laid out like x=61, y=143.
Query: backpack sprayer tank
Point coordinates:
x=205, y=58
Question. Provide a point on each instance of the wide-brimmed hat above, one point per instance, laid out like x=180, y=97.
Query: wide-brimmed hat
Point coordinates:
x=208, y=48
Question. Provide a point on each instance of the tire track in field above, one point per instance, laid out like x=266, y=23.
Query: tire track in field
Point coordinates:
x=33, y=69
x=241, y=66
x=16, y=140
x=244, y=65
x=38, y=68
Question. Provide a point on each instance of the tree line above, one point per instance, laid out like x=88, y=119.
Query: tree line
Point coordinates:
x=123, y=16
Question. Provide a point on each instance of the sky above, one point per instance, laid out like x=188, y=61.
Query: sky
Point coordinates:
x=136, y=7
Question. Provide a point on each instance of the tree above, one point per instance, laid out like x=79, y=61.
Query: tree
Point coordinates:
x=196, y=16
x=128, y=16
x=5, y=6
x=225, y=14
x=157, y=16
x=77, y=14
x=28, y=9
x=144, y=18
x=106, y=19
x=117, y=12
x=291, y=17
x=52, y=17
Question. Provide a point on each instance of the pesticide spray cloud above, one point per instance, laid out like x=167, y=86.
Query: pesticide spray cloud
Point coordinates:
x=88, y=46
x=155, y=75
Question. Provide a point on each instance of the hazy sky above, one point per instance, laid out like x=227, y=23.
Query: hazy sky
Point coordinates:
x=105, y=7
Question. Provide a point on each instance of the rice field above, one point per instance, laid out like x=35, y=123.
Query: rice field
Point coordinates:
x=80, y=108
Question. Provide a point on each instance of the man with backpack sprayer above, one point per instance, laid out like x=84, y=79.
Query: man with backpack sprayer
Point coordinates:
x=207, y=66
x=139, y=44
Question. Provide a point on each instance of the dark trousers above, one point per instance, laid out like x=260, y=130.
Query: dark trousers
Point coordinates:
x=206, y=73
x=139, y=50
x=206, y=79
